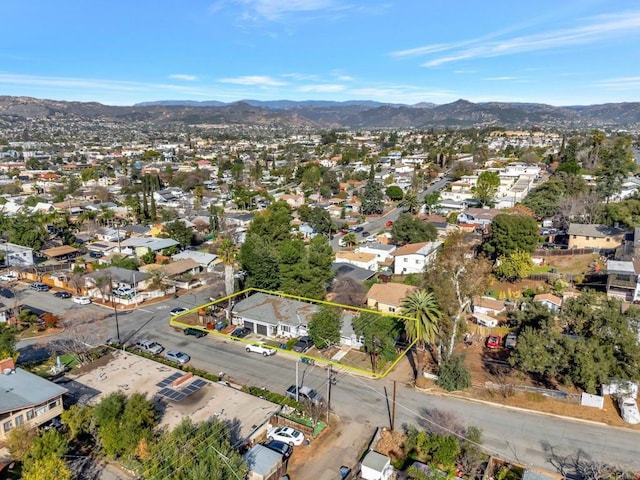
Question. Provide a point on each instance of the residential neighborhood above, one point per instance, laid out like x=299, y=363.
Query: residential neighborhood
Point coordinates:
x=188, y=281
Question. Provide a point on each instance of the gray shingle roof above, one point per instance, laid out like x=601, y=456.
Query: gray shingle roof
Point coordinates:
x=597, y=231
x=274, y=310
x=22, y=389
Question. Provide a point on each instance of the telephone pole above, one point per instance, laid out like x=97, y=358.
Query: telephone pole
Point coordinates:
x=329, y=382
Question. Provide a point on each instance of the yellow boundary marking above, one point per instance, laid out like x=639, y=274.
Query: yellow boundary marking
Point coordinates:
x=175, y=322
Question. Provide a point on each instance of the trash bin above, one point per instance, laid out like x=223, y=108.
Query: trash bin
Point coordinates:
x=209, y=326
x=220, y=326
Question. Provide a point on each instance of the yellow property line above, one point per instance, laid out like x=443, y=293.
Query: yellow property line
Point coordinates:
x=175, y=322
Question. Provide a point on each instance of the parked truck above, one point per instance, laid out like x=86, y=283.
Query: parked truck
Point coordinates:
x=305, y=394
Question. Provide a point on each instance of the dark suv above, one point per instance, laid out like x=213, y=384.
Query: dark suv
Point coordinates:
x=195, y=332
x=303, y=344
x=282, y=448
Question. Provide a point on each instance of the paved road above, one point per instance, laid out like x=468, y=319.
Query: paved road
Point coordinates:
x=375, y=225
x=516, y=435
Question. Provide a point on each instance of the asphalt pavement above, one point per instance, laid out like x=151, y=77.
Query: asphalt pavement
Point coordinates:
x=530, y=438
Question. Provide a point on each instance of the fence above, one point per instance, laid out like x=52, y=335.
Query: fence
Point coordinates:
x=553, y=276
x=543, y=252
x=546, y=392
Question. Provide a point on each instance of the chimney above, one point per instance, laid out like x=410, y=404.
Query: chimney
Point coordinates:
x=7, y=364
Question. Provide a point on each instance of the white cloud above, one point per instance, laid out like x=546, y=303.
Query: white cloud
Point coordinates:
x=256, y=80
x=300, y=76
x=275, y=9
x=323, y=88
x=622, y=83
x=593, y=30
x=502, y=79
x=183, y=76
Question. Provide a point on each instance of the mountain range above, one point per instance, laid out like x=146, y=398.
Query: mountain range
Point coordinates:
x=327, y=115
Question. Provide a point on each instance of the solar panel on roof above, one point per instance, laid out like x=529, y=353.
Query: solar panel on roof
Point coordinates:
x=169, y=380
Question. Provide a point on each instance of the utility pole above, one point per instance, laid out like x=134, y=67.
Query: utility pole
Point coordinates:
x=329, y=381
x=393, y=407
x=297, y=380
x=115, y=309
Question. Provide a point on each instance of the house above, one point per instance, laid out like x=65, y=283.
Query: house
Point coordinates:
x=367, y=261
x=552, y=302
x=356, y=273
x=16, y=255
x=118, y=277
x=414, y=257
x=388, y=297
x=110, y=234
x=488, y=306
x=273, y=316
x=594, y=236
x=264, y=463
x=179, y=273
x=140, y=246
x=381, y=251
x=375, y=466
x=207, y=261
x=26, y=399
x=622, y=280
x=478, y=216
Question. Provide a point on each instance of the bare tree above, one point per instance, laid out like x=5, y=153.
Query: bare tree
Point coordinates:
x=81, y=333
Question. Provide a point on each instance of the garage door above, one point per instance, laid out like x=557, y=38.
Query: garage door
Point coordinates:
x=262, y=329
x=249, y=325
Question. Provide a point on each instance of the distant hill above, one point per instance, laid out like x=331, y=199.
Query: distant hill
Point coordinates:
x=325, y=114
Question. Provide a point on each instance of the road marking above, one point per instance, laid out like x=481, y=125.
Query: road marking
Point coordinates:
x=143, y=310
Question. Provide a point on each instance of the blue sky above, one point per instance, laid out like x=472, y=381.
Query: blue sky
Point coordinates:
x=572, y=52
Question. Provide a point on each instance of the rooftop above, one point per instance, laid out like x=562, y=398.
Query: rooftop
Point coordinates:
x=22, y=389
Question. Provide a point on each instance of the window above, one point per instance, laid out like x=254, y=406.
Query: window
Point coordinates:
x=406, y=259
x=6, y=426
x=392, y=309
x=29, y=414
x=19, y=420
x=53, y=404
x=41, y=411
x=575, y=236
x=588, y=238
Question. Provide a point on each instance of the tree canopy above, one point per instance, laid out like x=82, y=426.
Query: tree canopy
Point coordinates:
x=409, y=229
x=486, y=186
x=325, y=325
x=511, y=233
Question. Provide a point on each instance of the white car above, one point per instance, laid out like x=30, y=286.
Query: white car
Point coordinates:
x=288, y=435
x=629, y=409
x=9, y=277
x=149, y=346
x=178, y=310
x=261, y=348
x=82, y=300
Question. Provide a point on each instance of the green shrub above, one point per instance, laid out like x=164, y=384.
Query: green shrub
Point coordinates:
x=453, y=374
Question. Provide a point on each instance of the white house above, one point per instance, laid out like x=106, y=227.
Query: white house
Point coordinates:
x=382, y=252
x=413, y=257
x=368, y=261
x=488, y=306
x=552, y=302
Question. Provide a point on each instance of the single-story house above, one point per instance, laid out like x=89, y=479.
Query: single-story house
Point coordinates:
x=26, y=399
x=381, y=251
x=478, y=216
x=594, y=236
x=414, y=257
x=273, y=316
x=118, y=277
x=488, y=306
x=388, y=297
x=367, y=261
x=111, y=234
x=348, y=270
x=140, y=246
x=207, y=261
x=550, y=301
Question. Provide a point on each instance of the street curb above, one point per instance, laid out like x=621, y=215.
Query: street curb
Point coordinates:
x=526, y=410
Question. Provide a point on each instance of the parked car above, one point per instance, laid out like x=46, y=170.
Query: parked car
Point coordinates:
x=629, y=409
x=9, y=277
x=494, y=341
x=39, y=287
x=194, y=332
x=177, y=356
x=510, y=341
x=261, y=348
x=178, y=310
x=365, y=234
x=303, y=344
x=240, y=332
x=287, y=435
x=94, y=254
x=124, y=292
x=389, y=224
x=305, y=394
x=149, y=346
x=81, y=300
x=62, y=295
x=282, y=448
x=358, y=229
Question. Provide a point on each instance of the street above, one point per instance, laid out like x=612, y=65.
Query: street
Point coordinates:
x=521, y=436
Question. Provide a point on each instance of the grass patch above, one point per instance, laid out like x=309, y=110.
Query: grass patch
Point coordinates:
x=542, y=269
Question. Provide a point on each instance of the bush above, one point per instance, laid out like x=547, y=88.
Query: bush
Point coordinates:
x=453, y=374
x=272, y=397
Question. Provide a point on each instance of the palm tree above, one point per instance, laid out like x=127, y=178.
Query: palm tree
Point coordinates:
x=411, y=202
x=227, y=251
x=422, y=326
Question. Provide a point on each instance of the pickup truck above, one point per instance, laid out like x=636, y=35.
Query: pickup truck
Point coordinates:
x=305, y=394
